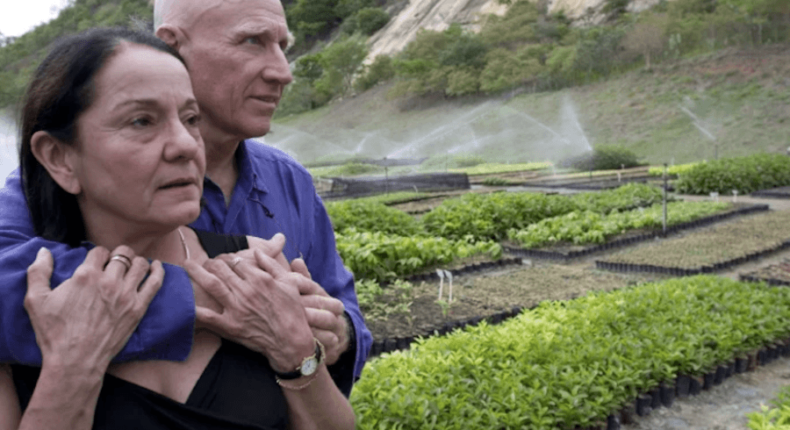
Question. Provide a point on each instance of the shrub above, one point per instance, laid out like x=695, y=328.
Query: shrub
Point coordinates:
x=381, y=70
x=604, y=157
x=745, y=174
x=370, y=20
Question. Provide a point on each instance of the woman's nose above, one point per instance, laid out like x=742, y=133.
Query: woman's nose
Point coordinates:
x=182, y=143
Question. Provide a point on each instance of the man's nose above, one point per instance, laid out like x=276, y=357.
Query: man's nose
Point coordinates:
x=276, y=68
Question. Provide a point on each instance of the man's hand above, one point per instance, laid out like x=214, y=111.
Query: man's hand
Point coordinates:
x=325, y=315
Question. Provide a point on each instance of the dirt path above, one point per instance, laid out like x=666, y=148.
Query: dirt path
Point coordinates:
x=723, y=407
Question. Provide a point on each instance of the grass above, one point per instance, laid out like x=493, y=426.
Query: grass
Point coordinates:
x=742, y=96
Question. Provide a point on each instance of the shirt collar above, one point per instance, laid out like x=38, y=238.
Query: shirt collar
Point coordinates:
x=247, y=172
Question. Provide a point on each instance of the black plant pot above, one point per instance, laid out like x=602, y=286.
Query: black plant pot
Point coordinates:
x=682, y=383
x=720, y=375
x=375, y=349
x=389, y=345
x=730, y=369
x=695, y=385
x=643, y=403
x=655, y=397
x=708, y=379
x=613, y=422
x=667, y=394
x=403, y=343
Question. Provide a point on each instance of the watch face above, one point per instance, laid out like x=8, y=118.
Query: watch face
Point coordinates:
x=309, y=366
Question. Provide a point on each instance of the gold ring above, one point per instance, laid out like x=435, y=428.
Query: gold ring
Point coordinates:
x=126, y=261
x=235, y=262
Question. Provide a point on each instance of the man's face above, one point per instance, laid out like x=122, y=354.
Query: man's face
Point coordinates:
x=235, y=56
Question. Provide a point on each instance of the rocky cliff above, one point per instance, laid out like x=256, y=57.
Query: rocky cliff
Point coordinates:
x=409, y=16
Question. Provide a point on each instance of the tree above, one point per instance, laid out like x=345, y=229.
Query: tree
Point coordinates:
x=341, y=61
x=647, y=37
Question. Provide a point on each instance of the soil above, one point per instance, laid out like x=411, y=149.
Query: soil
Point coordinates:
x=495, y=291
x=779, y=271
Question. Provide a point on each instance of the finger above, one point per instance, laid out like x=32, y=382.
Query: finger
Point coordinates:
x=269, y=265
x=152, y=284
x=39, y=273
x=97, y=258
x=299, y=266
x=323, y=320
x=209, y=319
x=215, y=288
x=116, y=267
x=308, y=287
x=327, y=338
x=273, y=248
x=330, y=304
x=134, y=277
x=229, y=278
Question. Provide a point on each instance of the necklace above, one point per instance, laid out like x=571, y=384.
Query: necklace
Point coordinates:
x=183, y=242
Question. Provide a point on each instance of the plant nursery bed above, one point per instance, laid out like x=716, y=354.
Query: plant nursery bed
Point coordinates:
x=496, y=292
x=709, y=249
x=774, y=193
x=775, y=274
x=568, y=251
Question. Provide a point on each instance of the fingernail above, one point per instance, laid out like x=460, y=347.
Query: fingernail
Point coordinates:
x=41, y=252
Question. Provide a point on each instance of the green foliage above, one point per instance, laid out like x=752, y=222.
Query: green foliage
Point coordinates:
x=745, y=174
x=604, y=157
x=381, y=70
x=776, y=417
x=367, y=215
x=581, y=228
x=378, y=303
x=19, y=59
x=569, y=364
x=381, y=257
x=493, y=168
x=366, y=21
x=499, y=182
x=491, y=216
x=675, y=171
x=349, y=169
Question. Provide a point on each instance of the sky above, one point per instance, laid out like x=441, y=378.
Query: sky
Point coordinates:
x=17, y=17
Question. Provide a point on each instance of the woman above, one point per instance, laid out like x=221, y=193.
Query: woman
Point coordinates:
x=111, y=154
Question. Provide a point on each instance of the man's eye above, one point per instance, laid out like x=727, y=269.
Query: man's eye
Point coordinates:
x=193, y=120
x=251, y=40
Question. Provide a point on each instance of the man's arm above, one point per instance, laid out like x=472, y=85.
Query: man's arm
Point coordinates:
x=326, y=268
x=164, y=333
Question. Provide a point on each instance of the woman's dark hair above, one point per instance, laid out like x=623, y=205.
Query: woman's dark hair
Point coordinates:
x=61, y=89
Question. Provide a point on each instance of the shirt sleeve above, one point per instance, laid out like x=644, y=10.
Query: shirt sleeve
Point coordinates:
x=164, y=333
x=327, y=269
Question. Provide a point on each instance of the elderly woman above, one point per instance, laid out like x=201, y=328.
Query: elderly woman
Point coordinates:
x=111, y=154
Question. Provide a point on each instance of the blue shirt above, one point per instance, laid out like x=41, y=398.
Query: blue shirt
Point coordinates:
x=273, y=194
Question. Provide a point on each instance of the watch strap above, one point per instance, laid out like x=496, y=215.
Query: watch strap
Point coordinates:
x=296, y=374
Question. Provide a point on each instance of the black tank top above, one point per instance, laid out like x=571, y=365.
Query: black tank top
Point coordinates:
x=237, y=389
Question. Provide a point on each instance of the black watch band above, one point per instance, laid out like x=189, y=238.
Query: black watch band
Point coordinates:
x=296, y=374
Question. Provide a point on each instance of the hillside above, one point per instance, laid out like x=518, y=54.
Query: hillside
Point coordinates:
x=741, y=96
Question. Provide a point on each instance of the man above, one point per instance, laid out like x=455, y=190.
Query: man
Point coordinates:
x=234, y=52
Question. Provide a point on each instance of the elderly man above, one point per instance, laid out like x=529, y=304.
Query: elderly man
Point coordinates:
x=234, y=52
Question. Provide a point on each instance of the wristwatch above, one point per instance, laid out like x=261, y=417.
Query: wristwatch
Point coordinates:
x=309, y=364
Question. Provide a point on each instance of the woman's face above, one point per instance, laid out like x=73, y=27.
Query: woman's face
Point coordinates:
x=139, y=156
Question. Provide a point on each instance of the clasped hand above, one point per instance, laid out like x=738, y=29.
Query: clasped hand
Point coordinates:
x=268, y=305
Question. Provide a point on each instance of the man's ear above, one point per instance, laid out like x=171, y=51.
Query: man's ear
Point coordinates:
x=54, y=156
x=171, y=35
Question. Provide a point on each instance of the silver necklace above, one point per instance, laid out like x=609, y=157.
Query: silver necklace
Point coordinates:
x=183, y=242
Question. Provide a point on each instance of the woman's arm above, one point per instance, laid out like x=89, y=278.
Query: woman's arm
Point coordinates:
x=64, y=398
x=79, y=327
x=319, y=405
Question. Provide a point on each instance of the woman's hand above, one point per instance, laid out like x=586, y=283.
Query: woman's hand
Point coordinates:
x=261, y=308
x=83, y=323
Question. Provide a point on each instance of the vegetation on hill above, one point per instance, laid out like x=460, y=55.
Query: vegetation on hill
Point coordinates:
x=529, y=48
x=19, y=58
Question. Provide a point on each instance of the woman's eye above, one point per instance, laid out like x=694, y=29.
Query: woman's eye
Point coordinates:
x=141, y=122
